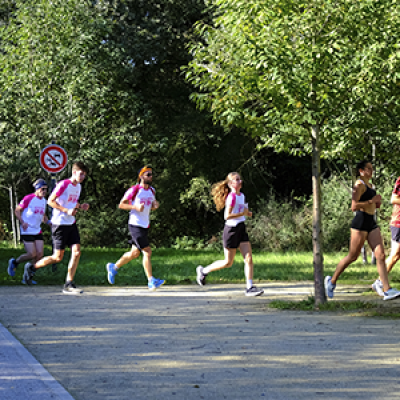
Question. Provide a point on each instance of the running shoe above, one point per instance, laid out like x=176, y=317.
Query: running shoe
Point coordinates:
x=111, y=272
x=200, y=277
x=32, y=282
x=329, y=286
x=392, y=293
x=254, y=291
x=70, y=288
x=155, y=283
x=12, y=266
x=29, y=272
x=378, y=287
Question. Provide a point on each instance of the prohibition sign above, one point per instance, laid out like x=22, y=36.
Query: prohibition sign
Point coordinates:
x=53, y=158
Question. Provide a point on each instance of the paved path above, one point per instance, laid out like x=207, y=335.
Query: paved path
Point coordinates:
x=184, y=342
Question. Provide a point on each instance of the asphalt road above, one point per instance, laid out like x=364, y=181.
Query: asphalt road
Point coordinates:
x=185, y=342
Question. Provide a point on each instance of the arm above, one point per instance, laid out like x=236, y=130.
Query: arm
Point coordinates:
x=125, y=205
x=358, y=191
x=230, y=215
x=52, y=202
x=155, y=205
x=18, y=214
x=395, y=199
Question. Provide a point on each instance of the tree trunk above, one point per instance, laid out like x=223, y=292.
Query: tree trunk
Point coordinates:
x=320, y=297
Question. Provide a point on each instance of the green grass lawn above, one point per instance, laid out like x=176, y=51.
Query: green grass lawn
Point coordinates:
x=179, y=266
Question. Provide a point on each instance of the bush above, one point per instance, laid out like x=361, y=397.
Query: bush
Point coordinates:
x=280, y=226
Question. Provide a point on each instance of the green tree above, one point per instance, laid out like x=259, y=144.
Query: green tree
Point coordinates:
x=304, y=76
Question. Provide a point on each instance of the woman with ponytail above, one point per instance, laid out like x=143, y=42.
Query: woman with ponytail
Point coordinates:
x=364, y=203
x=227, y=195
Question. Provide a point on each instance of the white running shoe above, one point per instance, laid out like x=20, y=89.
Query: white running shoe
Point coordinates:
x=392, y=293
x=378, y=287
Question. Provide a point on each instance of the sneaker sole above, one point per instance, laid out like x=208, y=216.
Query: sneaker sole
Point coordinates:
x=379, y=292
x=77, y=293
x=325, y=286
x=108, y=276
x=11, y=270
x=153, y=289
x=391, y=297
x=198, y=276
x=253, y=294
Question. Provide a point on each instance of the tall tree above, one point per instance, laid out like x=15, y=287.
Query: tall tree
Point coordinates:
x=301, y=75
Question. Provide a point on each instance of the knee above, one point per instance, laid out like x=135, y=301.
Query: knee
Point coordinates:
x=248, y=259
x=381, y=257
x=76, y=253
x=39, y=256
x=31, y=255
x=134, y=254
x=58, y=257
x=229, y=263
x=147, y=252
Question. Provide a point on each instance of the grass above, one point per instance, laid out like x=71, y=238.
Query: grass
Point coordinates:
x=357, y=308
x=178, y=267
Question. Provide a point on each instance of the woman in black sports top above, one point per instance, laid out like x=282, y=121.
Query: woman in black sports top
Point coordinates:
x=364, y=202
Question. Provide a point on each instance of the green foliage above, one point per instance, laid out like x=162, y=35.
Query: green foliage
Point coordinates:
x=280, y=226
x=278, y=68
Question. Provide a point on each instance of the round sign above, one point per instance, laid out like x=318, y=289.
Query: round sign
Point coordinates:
x=53, y=158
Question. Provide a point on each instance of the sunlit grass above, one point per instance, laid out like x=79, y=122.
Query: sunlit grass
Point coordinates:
x=179, y=266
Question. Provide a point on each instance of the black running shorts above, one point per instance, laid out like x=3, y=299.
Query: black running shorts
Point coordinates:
x=31, y=238
x=234, y=235
x=65, y=236
x=140, y=237
x=364, y=222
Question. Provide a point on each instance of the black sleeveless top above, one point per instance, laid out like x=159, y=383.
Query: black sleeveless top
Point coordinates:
x=368, y=194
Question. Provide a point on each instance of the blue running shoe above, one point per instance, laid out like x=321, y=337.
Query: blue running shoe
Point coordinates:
x=111, y=272
x=329, y=286
x=155, y=283
x=12, y=266
x=32, y=282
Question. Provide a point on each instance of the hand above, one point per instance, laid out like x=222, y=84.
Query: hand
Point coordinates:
x=247, y=213
x=155, y=204
x=84, y=206
x=24, y=226
x=72, y=212
x=139, y=207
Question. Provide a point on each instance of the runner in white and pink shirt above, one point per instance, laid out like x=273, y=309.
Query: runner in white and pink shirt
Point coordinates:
x=64, y=201
x=227, y=194
x=139, y=200
x=31, y=213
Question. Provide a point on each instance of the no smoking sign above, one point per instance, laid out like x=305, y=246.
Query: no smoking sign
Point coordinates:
x=53, y=158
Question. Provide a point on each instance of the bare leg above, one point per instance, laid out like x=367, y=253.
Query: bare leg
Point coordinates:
x=376, y=243
x=147, y=262
x=357, y=239
x=226, y=263
x=73, y=262
x=39, y=245
x=128, y=256
x=55, y=258
x=245, y=249
x=394, y=256
x=30, y=254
